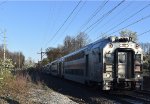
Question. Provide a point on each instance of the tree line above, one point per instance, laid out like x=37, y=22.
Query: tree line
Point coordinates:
x=70, y=44
x=17, y=58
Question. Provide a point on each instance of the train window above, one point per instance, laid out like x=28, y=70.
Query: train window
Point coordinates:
x=75, y=56
x=108, y=58
x=121, y=58
x=138, y=57
x=78, y=72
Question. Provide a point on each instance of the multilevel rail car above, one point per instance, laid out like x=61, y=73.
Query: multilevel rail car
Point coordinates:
x=113, y=62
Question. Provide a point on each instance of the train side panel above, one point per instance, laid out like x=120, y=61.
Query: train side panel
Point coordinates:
x=74, y=67
x=54, y=68
x=95, y=64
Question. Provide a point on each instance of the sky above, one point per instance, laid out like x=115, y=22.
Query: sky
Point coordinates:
x=32, y=25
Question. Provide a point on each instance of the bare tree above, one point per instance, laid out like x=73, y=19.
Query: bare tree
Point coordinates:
x=53, y=53
x=129, y=33
x=81, y=40
x=29, y=63
x=17, y=57
x=73, y=43
x=70, y=44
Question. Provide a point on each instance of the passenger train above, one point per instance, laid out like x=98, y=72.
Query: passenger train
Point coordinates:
x=111, y=63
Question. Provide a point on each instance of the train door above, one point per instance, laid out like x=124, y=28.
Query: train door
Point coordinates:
x=60, y=67
x=124, y=64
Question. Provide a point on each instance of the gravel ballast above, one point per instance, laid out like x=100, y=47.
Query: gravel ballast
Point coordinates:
x=41, y=96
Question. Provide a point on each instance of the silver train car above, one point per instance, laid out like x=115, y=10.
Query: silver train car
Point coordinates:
x=111, y=63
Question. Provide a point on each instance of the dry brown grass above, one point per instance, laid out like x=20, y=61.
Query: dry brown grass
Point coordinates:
x=17, y=88
x=14, y=87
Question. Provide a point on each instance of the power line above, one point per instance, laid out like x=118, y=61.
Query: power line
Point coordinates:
x=64, y=22
x=141, y=19
x=103, y=16
x=116, y=15
x=109, y=12
x=49, y=15
x=94, y=14
x=128, y=18
x=144, y=32
x=3, y=2
x=100, y=7
x=75, y=16
x=54, y=19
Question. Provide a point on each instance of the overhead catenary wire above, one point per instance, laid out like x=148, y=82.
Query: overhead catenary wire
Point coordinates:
x=144, y=32
x=103, y=16
x=64, y=22
x=127, y=18
x=49, y=15
x=94, y=14
x=74, y=16
x=135, y=21
x=100, y=7
x=109, y=12
x=116, y=15
x=139, y=20
x=3, y=2
x=53, y=20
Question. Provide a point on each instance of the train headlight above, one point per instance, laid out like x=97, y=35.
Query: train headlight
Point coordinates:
x=138, y=76
x=108, y=75
x=110, y=45
x=106, y=83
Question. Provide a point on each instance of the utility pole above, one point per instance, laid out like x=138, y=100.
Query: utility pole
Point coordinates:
x=42, y=53
x=4, y=46
x=19, y=60
x=4, y=50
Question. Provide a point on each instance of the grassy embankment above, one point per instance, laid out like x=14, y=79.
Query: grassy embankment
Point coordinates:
x=15, y=89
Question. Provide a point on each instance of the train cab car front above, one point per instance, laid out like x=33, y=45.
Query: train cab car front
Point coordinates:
x=122, y=65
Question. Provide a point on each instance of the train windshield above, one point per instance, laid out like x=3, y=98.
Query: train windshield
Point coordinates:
x=108, y=58
x=121, y=58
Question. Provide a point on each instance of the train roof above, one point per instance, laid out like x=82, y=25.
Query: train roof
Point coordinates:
x=89, y=46
x=102, y=43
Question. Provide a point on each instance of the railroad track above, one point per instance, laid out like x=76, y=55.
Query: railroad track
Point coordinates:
x=144, y=92
x=119, y=99
x=129, y=97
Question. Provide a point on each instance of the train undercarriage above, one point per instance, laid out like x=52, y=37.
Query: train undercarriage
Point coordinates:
x=121, y=84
